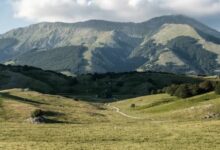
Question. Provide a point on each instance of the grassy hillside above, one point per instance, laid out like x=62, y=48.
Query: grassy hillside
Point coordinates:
x=17, y=105
x=164, y=122
x=166, y=107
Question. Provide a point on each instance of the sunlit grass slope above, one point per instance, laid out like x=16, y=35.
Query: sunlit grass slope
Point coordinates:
x=17, y=105
x=165, y=123
x=166, y=107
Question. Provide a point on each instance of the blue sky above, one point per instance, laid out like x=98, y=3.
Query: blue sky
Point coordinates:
x=19, y=13
x=8, y=21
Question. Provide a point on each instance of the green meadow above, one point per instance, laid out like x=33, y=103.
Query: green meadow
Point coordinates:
x=149, y=122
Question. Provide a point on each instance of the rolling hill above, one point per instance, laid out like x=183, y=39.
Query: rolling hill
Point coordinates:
x=169, y=43
x=156, y=122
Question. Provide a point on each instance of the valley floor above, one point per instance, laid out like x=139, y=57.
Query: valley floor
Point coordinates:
x=124, y=135
x=156, y=122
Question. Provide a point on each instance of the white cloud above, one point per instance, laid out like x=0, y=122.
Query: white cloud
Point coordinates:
x=134, y=3
x=195, y=7
x=117, y=10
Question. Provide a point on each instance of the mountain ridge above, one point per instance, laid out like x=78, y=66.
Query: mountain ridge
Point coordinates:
x=113, y=46
x=92, y=21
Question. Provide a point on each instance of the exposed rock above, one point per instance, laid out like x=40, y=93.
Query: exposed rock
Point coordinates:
x=211, y=116
x=37, y=120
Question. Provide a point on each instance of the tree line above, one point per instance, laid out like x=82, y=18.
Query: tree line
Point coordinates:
x=189, y=90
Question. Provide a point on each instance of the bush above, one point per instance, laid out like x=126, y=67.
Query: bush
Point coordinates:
x=153, y=92
x=183, y=91
x=160, y=91
x=206, y=86
x=37, y=113
x=195, y=90
x=188, y=90
x=171, y=89
x=217, y=88
x=133, y=105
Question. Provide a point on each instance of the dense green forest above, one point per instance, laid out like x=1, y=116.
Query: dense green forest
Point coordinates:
x=109, y=85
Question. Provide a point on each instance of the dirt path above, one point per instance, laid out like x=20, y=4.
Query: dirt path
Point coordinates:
x=117, y=110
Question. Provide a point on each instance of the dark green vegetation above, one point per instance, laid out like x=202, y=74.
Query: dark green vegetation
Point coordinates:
x=217, y=88
x=189, y=90
x=37, y=113
x=109, y=85
x=33, y=78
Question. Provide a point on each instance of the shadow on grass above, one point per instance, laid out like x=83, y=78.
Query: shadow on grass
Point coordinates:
x=52, y=113
x=53, y=121
x=157, y=103
x=48, y=117
x=95, y=99
x=20, y=99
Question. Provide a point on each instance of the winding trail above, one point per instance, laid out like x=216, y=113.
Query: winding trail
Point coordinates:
x=117, y=110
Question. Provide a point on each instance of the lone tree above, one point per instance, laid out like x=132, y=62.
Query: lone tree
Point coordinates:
x=133, y=105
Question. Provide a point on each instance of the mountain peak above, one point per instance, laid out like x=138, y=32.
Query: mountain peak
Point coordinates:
x=114, y=46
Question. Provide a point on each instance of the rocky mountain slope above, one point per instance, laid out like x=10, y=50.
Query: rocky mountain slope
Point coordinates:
x=169, y=43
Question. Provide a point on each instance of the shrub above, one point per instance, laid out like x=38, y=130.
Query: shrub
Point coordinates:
x=153, y=92
x=76, y=99
x=188, y=90
x=217, y=88
x=160, y=91
x=171, y=89
x=206, y=86
x=133, y=105
x=195, y=90
x=183, y=91
x=37, y=113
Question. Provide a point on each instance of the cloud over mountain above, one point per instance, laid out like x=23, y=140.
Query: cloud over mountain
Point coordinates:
x=117, y=10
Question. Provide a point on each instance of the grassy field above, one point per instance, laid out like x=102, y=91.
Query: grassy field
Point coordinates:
x=164, y=122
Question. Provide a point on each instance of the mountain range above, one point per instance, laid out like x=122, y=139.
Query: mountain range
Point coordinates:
x=175, y=43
